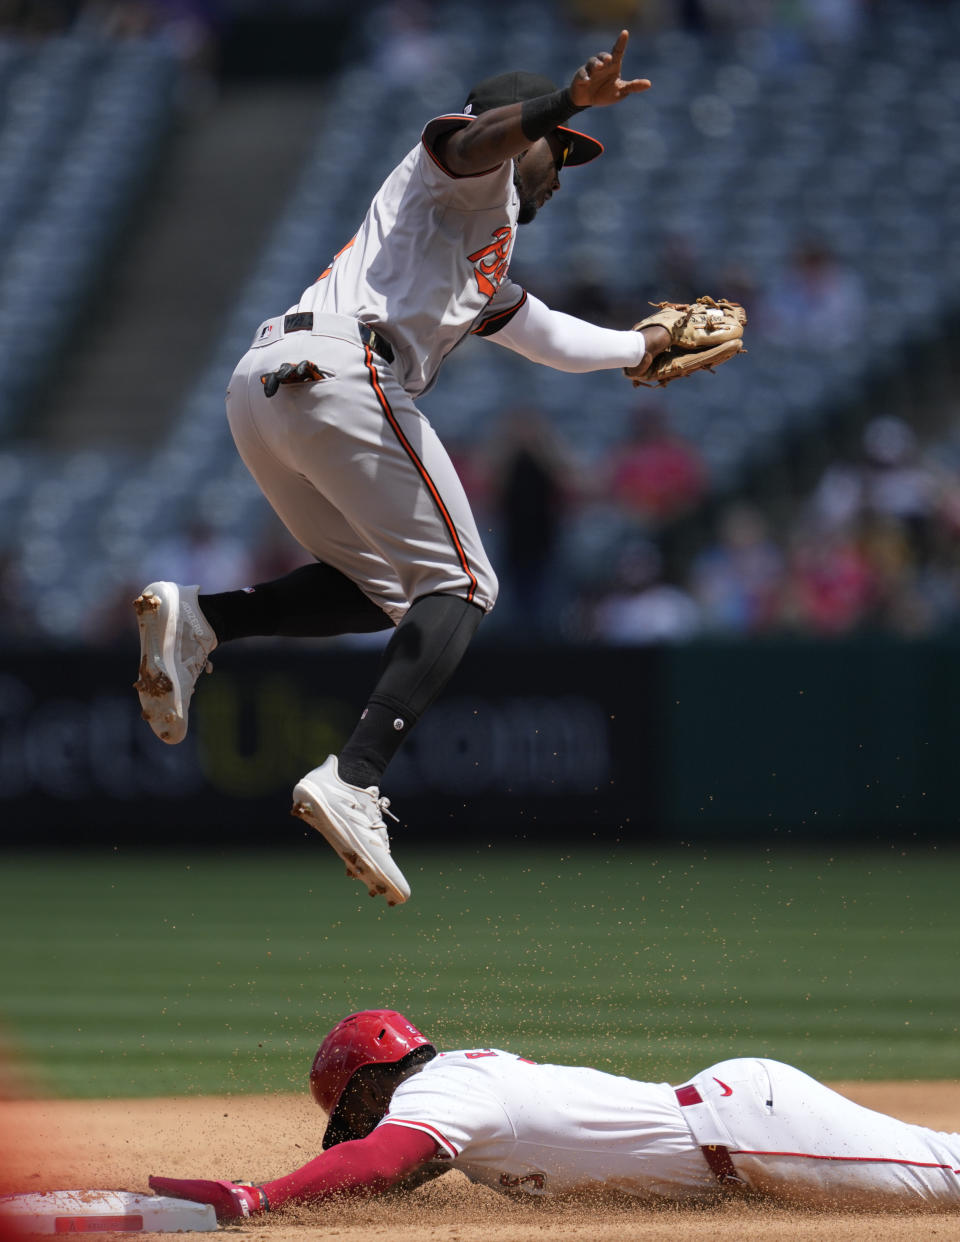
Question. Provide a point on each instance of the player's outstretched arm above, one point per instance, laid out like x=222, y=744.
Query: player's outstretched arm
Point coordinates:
x=384, y=1159
x=502, y=133
x=366, y=1166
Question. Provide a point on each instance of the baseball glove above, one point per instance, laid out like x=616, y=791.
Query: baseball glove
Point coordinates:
x=703, y=334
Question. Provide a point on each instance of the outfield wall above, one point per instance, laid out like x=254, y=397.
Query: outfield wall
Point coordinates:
x=709, y=741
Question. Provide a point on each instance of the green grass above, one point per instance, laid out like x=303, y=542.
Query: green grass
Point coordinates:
x=150, y=975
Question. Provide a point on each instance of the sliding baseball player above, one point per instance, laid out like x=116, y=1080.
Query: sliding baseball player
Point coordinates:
x=400, y=1112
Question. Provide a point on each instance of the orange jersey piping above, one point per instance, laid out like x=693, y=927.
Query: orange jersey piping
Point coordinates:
x=327, y=270
x=422, y=471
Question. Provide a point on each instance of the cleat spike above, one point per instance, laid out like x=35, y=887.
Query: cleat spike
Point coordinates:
x=146, y=602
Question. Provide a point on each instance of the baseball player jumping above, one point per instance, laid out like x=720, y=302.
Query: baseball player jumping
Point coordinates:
x=400, y=1113
x=323, y=411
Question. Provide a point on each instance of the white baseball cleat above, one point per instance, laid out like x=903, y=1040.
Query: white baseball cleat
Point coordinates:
x=175, y=640
x=351, y=820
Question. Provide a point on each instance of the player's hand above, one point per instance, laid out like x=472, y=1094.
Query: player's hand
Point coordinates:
x=598, y=83
x=230, y=1200
x=290, y=373
x=656, y=339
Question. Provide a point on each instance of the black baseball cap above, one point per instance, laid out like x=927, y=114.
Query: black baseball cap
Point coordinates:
x=515, y=87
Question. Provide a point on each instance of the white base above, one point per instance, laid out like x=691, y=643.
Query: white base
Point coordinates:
x=103, y=1211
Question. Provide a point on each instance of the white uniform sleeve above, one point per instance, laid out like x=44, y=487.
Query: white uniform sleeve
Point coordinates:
x=564, y=342
x=450, y=1108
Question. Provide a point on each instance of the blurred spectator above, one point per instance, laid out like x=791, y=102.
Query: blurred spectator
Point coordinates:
x=642, y=608
x=529, y=483
x=890, y=481
x=830, y=584
x=818, y=303
x=655, y=475
x=885, y=547
x=737, y=580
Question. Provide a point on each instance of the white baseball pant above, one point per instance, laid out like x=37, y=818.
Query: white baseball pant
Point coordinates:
x=791, y=1137
x=354, y=470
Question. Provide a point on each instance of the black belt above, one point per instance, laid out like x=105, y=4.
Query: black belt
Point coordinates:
x=302, y=321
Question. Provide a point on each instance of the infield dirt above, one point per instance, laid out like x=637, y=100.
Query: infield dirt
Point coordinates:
x=116, y=1144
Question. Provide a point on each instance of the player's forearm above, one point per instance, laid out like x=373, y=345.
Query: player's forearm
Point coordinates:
x=569, y=344
x=363, y=1167
x=502, y=133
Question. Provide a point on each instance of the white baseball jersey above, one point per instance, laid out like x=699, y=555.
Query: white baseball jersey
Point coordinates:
x=428, y=264
x=540, y=1129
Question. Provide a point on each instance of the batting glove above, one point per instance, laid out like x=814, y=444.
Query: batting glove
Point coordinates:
x=230, y=1200
x=290, y=373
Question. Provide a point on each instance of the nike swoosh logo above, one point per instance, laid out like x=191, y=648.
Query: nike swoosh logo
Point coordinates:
x=726, y=1090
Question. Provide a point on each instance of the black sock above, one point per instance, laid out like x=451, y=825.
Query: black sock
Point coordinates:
x=418, y=662
x=314, y=601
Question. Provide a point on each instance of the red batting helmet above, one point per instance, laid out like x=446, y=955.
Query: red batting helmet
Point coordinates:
x=371, y=1037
